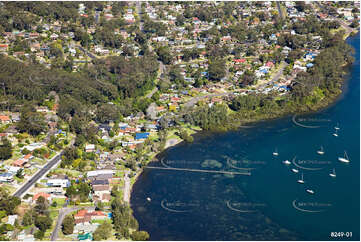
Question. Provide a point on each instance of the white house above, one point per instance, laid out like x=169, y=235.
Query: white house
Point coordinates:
x=58, y=183
x=90, y=148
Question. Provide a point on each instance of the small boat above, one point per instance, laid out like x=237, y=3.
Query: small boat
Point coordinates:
x=275, y=153
x=333, y=174
x=301, y=180
x=321, y=152
x=335, y=134
x=310, y=191
x=148, y=199
x=344, y=159
x=286, y=162
x=336, y=127
x=294, y=170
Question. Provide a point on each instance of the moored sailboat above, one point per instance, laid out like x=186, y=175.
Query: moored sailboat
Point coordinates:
x=321, y=151
x=344, y=159
x=333, y=174
x=301, y=180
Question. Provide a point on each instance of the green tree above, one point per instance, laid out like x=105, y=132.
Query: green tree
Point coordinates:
x=140, y=236
x=31, y=122
x=6, y=149
x=216, y=69
x=164, y=54
x=103, y=232
x=107, y=112
x=41, y=206
x=68, y=225
x=19, y=173
x=8, y=203
x=39, y=234
x=28, y=218
x=43, y=222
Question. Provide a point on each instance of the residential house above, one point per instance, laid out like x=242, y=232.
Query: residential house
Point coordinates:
x=5, y=119
x=4, y=47
x=6, y=177
x=63, y=183
x=89, y=148
x=54, y=36
x=42, y=194
x=88, y=215
x=11, y=219
x=141, y=136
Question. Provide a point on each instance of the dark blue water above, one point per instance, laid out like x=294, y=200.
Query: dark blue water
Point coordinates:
x=269, y=204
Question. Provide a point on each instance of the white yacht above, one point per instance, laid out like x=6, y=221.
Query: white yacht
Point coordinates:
x=310, y=191
x=344, y=159
x=333, y=174
x=335, y=134
x=337, y=127
x=148, y=199
x=301, y=180
x=275, y=153
x=286, y=162
x=321, y=151
x=294, y=170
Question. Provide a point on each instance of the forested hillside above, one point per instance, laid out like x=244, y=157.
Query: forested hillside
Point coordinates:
x=111, y=79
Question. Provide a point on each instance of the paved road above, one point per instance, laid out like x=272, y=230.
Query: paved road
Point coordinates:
x=152, y=92
x=279, y=9
x=139, y=8
x=62, y=213
x=22, y=190
x=280, y=72
x=126, y=192
x=86, y=52
x=194, y=100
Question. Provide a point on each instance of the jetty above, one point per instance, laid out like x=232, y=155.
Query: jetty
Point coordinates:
x=246, y=173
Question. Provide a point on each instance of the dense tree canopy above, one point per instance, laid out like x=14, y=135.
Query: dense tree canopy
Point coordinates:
x=5, y=149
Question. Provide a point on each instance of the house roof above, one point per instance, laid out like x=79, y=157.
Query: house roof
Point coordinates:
x=19, y=162
x=100, y=182
x=81, y=213
x=141, y=135
x=100, y=188
x=28, y=156
x=41, y=194
x=4, y=118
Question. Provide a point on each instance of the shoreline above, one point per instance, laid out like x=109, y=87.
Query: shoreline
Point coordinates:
x=322, y=105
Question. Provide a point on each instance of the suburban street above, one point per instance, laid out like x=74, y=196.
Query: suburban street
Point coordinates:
x=279, y=9
x=24, y=188
x=278, y=74
x=194, y=100
x=139, y=8
x=126, y=192
x=86, y=52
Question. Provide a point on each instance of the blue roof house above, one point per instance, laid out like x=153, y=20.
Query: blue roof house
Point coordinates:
x=141, y=135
